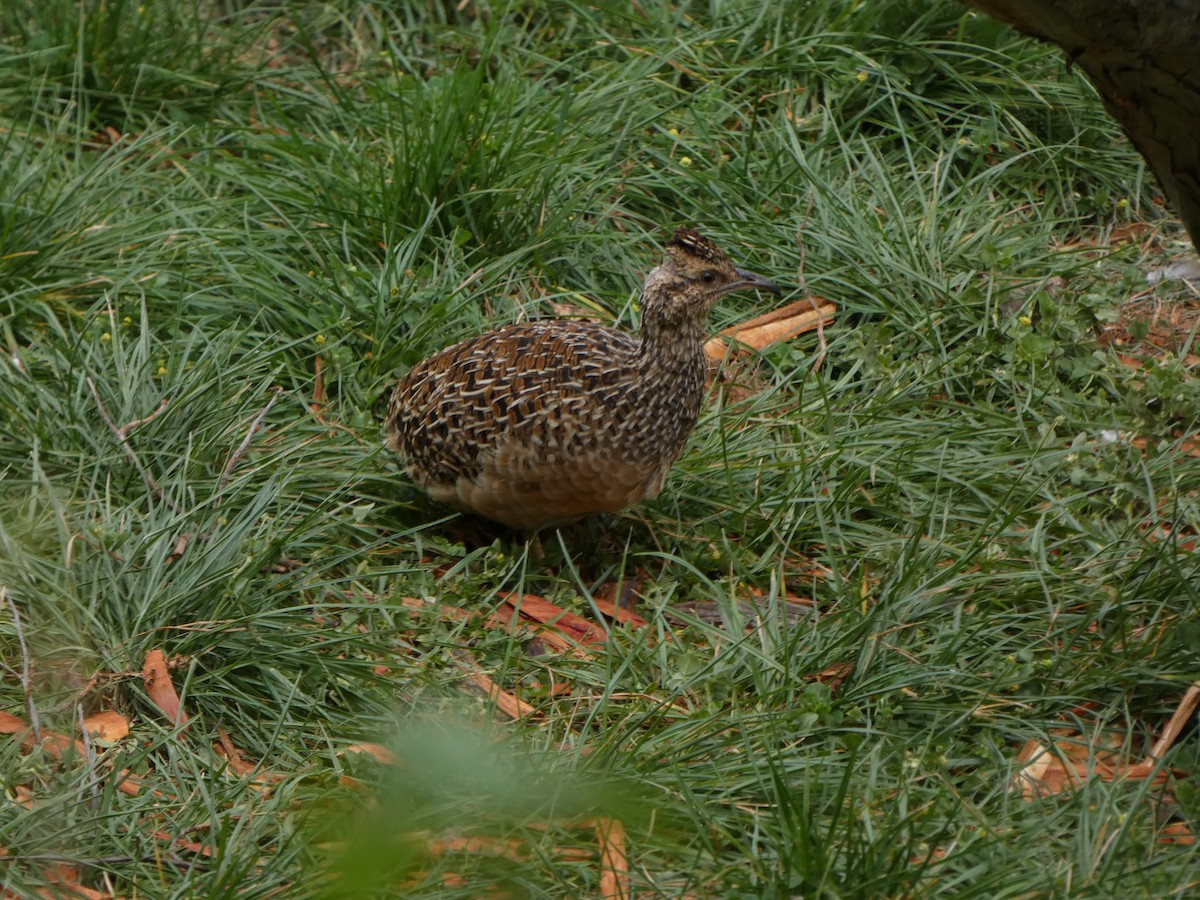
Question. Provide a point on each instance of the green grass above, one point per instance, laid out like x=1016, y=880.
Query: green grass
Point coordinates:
x=202, y=202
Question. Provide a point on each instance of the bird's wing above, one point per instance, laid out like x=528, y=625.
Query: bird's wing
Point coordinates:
x=530, y=388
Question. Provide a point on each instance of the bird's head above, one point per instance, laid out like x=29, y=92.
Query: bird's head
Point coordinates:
x=695, y=273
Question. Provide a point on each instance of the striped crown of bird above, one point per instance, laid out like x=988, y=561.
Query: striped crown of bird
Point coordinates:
x=540, y=423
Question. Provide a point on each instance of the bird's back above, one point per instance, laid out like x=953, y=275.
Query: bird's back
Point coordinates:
x=544, y=421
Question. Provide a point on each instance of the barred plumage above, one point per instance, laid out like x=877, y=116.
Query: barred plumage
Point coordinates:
x=544, y=422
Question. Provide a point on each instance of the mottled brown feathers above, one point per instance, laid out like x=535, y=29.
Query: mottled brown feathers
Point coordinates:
x=548, y=421
x=694, y=244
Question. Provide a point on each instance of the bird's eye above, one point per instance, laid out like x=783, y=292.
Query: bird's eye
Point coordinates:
x=709, y=277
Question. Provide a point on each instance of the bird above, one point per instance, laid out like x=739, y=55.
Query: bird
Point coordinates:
x=543, y=422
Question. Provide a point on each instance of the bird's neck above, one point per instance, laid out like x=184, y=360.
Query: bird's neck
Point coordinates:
x=671, y=333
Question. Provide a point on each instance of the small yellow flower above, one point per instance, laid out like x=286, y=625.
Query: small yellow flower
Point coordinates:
x=106, y=337
x=673, y=132
x=127, y=321
x=685, y=161
x=862, y=76
x=162, y=370
x=1123, y=203
x=1026, y=320
x=320, y=339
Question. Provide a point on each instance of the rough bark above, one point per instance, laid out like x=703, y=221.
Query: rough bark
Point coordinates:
x=1143, y=56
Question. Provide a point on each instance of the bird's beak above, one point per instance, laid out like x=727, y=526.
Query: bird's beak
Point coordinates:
x=752, y=281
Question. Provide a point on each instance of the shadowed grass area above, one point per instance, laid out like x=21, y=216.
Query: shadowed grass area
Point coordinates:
x=225, y=228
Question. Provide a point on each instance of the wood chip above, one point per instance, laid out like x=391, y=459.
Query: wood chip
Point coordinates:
x=509, y=849
x=160, y=689
x=509, y=704
x=54, y=743
x=65, y=878
x=381, y=753
x=107, y=726
x=616, y=613
x=614, y=859
x=1189, y=444
x=541, y=610
x=778, y=325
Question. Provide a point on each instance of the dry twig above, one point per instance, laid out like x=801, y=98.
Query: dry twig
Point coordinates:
x=245, y=445
x=35, y=724
x=1174, y=727
x=122, y=435
x=509, y=704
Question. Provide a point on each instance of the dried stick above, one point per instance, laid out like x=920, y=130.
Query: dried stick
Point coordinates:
x=245, y=445
x=122, y=435
x=822, y=343
x=89, y=753
x=802, y=283
x=509, y=704
x=1183, y=713
x=318, y=399
x=129, y=426
x=35, y=724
